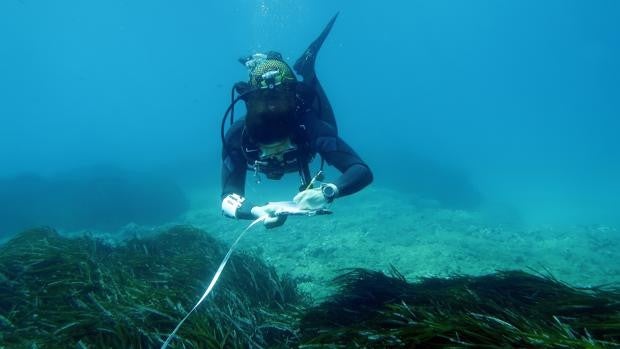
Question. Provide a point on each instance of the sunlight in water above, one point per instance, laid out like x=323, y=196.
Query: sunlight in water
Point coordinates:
x=270, y=16
x=263, y=8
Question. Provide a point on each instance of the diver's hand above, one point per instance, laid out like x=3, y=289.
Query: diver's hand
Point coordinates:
x=316, y=198
x=269, y=212
x=236, y=206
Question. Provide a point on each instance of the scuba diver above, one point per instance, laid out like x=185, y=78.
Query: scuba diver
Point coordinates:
x=287, y=124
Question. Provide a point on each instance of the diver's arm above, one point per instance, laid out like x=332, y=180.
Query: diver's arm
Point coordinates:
x=234, y=205
x=355, y=173
x=233, y=161
x=234, y=171
x=354, y=179
x=233, y=177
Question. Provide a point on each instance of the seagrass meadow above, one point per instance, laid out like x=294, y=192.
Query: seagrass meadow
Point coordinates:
x=61, y=292
x=57, y=292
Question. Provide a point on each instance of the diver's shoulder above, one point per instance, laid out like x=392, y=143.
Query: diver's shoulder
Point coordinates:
x=317, y=127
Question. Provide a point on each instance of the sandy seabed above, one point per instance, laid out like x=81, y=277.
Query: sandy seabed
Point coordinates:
x=375, y=229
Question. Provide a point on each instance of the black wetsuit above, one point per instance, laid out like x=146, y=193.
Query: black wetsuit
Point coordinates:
x=314, y=136
x=317, y=133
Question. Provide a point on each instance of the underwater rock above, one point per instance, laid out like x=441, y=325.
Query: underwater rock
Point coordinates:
x=60, y=292
x=428, y=179
x=96, y=199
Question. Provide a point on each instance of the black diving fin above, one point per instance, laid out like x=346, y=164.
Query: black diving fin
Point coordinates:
x=304, y=66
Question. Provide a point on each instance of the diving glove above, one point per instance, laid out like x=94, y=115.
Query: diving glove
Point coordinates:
x=269, y=212
x=316, y=198
x=236, y=206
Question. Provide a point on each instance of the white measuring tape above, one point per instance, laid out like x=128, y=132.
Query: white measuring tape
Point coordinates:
x=213, y=281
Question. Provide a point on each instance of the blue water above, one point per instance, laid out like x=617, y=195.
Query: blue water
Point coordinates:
x=473, y=103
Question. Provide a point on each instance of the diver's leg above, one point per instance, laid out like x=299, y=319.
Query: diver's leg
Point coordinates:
x=321, y=103
x=304, y=66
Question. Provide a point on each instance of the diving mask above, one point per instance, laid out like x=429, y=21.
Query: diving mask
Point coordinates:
x=276, y=150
